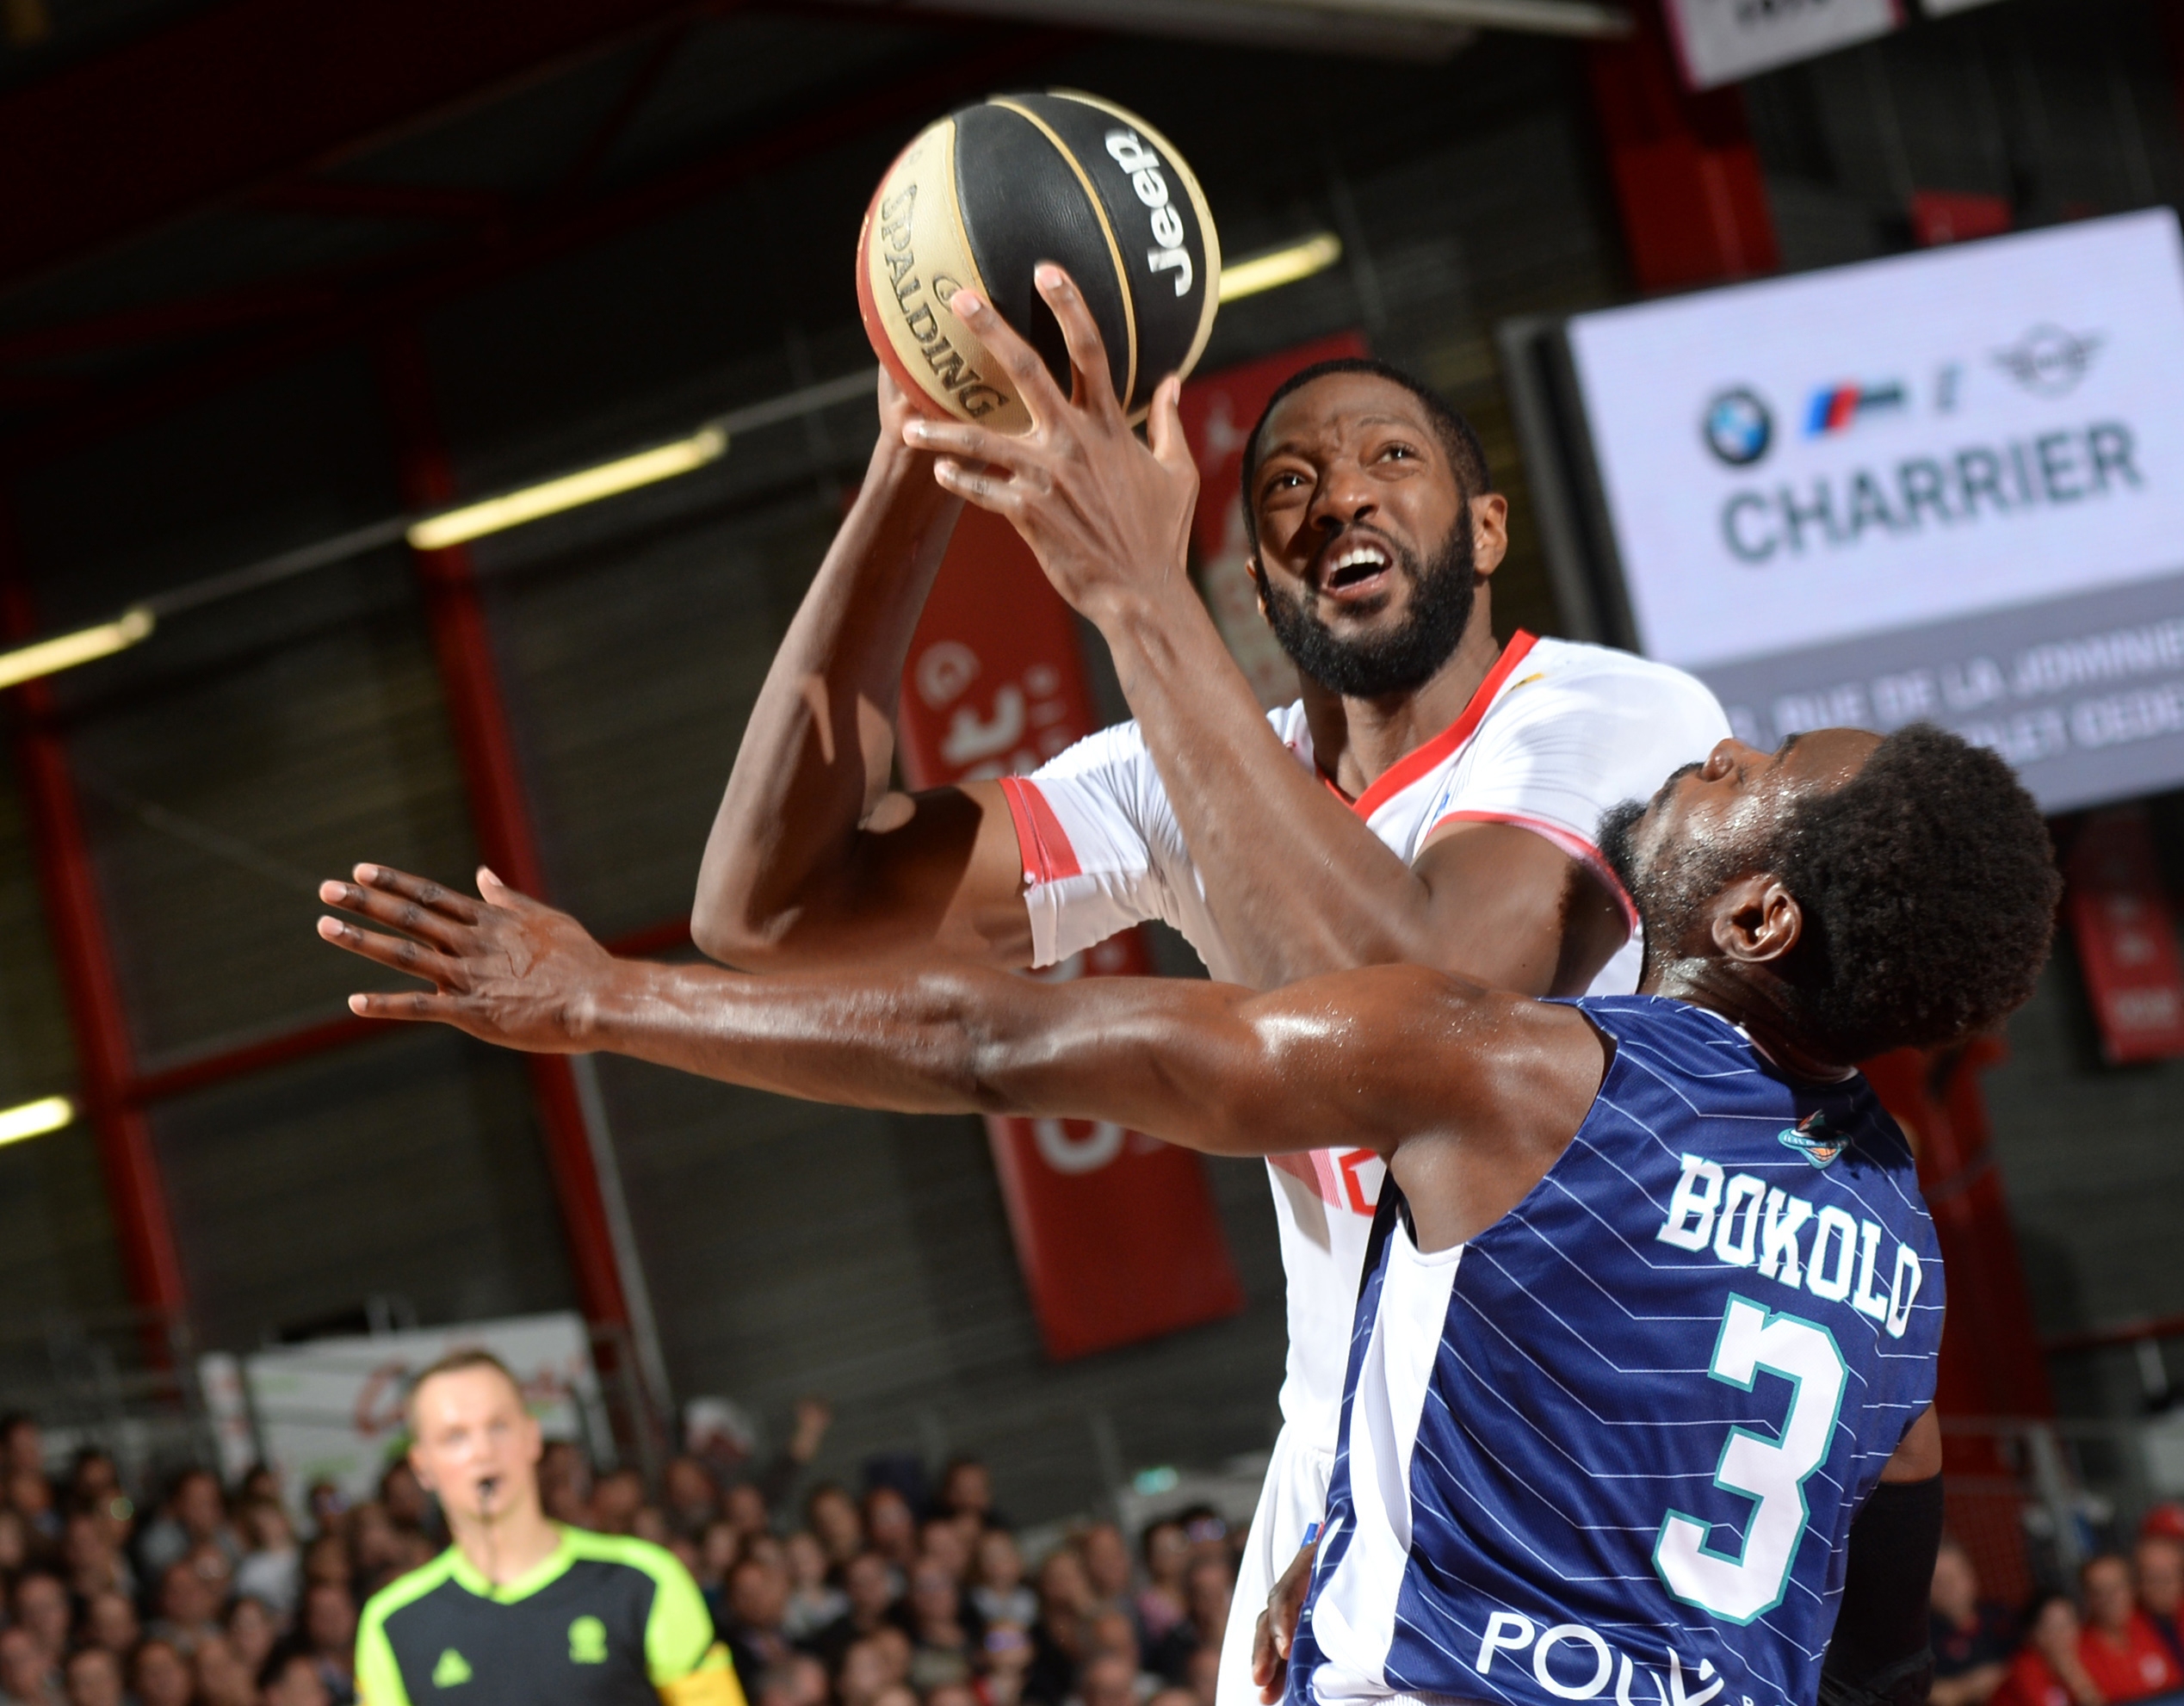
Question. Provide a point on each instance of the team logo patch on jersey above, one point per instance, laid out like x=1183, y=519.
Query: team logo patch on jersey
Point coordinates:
x=1808, y=1140
x=452, y=1671
x=587, y=1641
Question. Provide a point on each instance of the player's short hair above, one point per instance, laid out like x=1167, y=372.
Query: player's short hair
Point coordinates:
x=1465, y=453
x=1928, y=888
x=456, y=1363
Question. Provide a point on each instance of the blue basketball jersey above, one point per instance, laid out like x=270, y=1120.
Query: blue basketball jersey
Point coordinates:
x=1610, y=1449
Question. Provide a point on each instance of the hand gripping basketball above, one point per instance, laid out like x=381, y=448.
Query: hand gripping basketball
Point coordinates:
x=1107, y=516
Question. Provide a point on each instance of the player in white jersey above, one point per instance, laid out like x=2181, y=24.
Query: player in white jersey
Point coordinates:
x=1430, y=797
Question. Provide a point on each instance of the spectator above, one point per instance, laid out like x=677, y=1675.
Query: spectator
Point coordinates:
x=407, y=1504
x=941, y=1541
x=890, y=1529
x=2047, y=1671
x=272, y=1570
x=565, y=1483
x=93, y=1562
x=329, y=1636
x=967, y=1490
x=1110, y=1679
x=194, y=1516
x=832, y=1515
x=1007, y=1654
x=1203, y=1674
x=868, y=1585
x=326, y=1559
x=1107, y=1563
x=2160, y=1559
x=30, y=1496
x=693, y=1498
x=945, y=1645
x=813, y=1605
x=43, y=1612
x=258, y=1482
x=253, y=1630
x=1058, y=1638
x=1162, y=1604
x=110, y=1621
x=329, y=1508
x=376, y=1551
x=291, y=1679
x=757, y=1595
x=222, y=1678
x=2126, y=1659
x=188, y=1603
x=616, y=1500
x=866, y=1672
x=952, y=1694
x=23, y=1446
x=14, y=1543
x=162, y=1676
x=92, y=1478
x=1972, y=1638
x=997, y=1591
x=93, y=1679
x=1206, y=1592
x=26, y=1672
x=745, y=1506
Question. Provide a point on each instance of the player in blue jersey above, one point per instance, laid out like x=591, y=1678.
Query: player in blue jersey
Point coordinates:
x=1653, y=1307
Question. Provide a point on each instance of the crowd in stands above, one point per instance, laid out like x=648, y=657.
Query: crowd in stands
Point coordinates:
x=879, y=1597
x=2118, y=1638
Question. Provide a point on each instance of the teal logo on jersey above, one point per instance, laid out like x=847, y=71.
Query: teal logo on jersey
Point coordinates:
x=587, y=1641
x=452, y=1671
x=1807, y=1139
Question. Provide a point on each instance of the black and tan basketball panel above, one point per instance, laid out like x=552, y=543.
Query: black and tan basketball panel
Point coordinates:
x=979, y=199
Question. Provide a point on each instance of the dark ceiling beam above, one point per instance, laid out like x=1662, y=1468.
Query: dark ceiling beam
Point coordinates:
x=257, y=89
x=637, y=91
x=472, y=264
x=186, y=317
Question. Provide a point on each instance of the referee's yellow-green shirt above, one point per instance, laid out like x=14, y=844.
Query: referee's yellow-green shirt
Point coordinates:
x=603, y=1621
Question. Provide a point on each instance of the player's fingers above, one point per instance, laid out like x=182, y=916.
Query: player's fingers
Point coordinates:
x=964, y=442
x=496, y=892
x=397, y=912
x=1042, y=397
x=397, y=952
x=423, y=890
x=404, y=1004
x=987, y=491
x=1095, y=384
x=1163, y=426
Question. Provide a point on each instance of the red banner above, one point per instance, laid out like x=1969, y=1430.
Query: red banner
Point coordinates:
x=2120, y=918
x=1219, y=411
x=1117, y=1233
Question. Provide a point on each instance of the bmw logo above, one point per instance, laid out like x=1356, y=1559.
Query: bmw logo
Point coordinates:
x=1739, y=427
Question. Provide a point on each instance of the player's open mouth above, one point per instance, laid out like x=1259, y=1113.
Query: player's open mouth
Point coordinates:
x=1355, y=571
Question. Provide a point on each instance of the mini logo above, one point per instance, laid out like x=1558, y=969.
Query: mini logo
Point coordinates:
x=1739, y=427
x=452, y=1671
x=587, y=1641
x=1807, y=1140
x=1835, y=408
x=2049, y=361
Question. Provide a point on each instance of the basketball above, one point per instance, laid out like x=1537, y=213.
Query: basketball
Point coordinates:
x=981, y=197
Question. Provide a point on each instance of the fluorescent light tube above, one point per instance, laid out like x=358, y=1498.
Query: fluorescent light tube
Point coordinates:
x=1276, y=266
x=35, y=1119
x=67, y=651
x=550, y=497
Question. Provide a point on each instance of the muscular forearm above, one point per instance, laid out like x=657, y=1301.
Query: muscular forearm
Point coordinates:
x=816, y=751
x=1297, y=884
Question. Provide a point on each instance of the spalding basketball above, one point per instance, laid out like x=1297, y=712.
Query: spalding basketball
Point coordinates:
x=980, y=198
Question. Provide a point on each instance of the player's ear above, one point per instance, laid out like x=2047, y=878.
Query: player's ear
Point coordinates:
x=1757, y=920
x=1490, y=532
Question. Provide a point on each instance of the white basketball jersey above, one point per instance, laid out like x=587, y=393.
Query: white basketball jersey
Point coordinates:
x=1557, y=734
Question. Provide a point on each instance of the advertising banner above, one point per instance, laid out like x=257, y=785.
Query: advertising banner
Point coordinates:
x=1947, y=485
x=331, y=1409
x=2119, y=917
x=1721, y=40
x=1219, y=411
x=1117, y=1234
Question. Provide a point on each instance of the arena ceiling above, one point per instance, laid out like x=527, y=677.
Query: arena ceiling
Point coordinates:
x=197, y=191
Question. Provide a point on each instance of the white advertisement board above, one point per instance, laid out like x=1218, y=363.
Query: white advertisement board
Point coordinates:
x=1722, y=41
x=331, y=1409
x=1948, y=485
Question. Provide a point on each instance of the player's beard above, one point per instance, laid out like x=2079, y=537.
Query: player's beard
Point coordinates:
x=1668, y=887
x=1442, y=593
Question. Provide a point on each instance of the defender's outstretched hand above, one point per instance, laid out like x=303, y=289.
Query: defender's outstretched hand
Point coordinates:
x=1105, y=513
x=506, y=967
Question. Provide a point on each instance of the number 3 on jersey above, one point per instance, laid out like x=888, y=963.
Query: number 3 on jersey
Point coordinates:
x=1770, y=1472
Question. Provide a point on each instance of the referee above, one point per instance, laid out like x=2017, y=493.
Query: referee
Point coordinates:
x=519, y=1609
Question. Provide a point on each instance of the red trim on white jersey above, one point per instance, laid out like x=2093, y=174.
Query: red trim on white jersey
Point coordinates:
x=1048, y=855
x=1572, y=846
x=1419, y=760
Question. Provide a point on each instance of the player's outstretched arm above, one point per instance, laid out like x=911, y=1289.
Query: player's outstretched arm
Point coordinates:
x=1376, y=1059
x=811, y=859
x=1297, y=881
